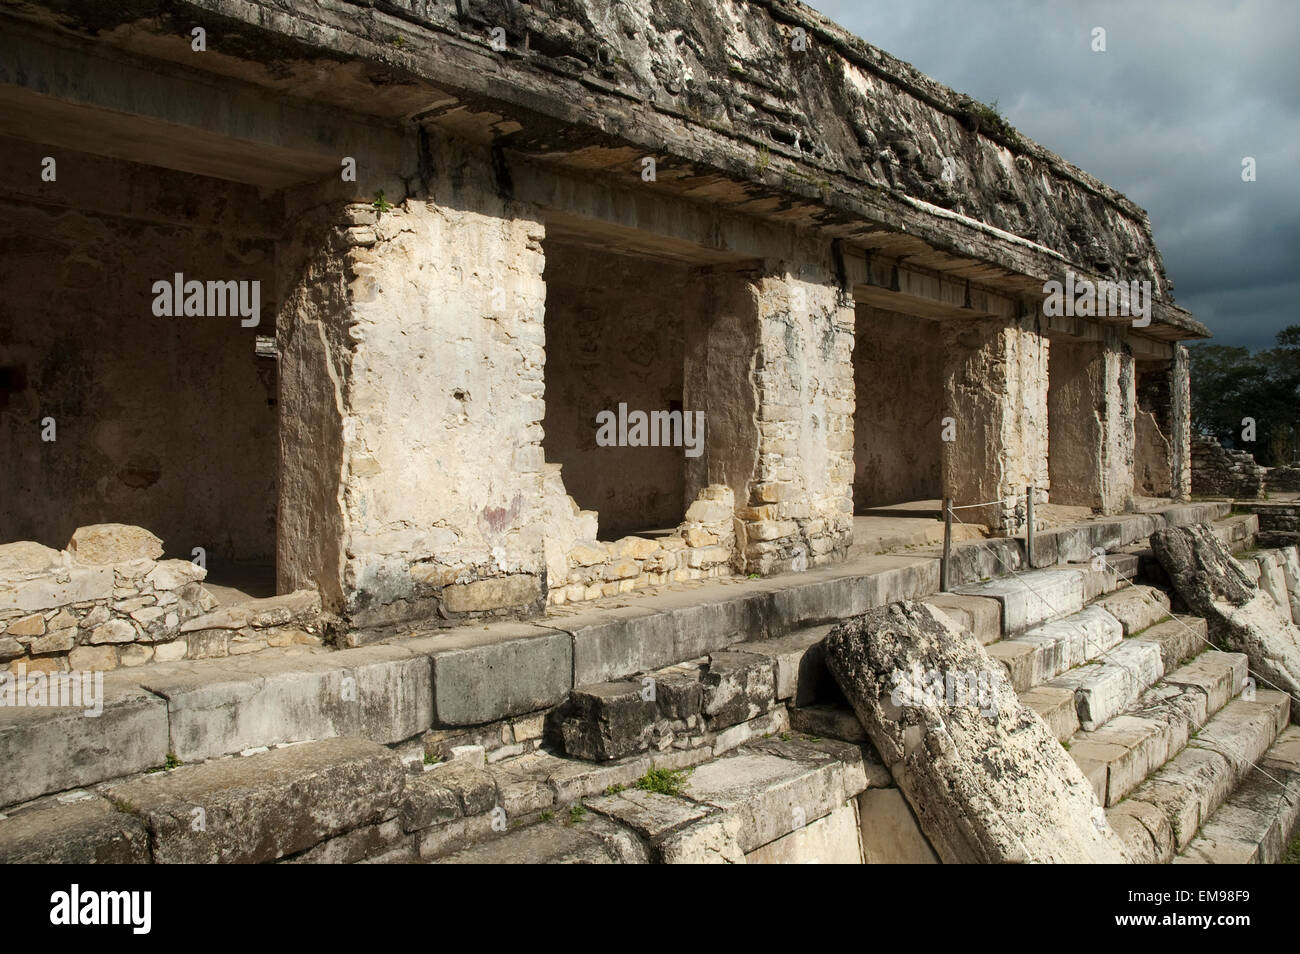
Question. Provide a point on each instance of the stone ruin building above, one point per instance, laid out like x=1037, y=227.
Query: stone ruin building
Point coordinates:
x=318, y=304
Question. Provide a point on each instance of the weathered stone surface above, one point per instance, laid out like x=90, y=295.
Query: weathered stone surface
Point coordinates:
x=980, y=616
x=1032, y=598
x=26, y=559
x=592, y=841
x=504, y=670
x=1291, y=574
x=774, y=787
x=1239, y=615
x=1113, y=683
x=737, y=687
x=223, y=706
x=830, y=840
x=62, y=748
x=1136, y=607
x=114, y=543
x=265, y=806
x=607, y=721
x=985, y=787
x=82, y=832
x=506, y=592
x=713, y=840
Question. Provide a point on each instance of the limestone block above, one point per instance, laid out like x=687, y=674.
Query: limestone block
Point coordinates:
x=737, y=687
x=25, y=559
x=86, y=831
x=93, y=658
x=831, y=840
x=607, y=721
x=1136, y=607
x=62, y=748
x=492, y=594
x=1033, y=803
x=264, y=806
x=78, y=584
x=113, y=543
x=1239, y=615
x=114, y=631
x=1291, y=572
x=174, y=574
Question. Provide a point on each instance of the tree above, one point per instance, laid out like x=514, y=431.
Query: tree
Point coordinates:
x=1229, y=384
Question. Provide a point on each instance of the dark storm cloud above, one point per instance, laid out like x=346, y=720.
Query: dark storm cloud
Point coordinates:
x=1183, y=92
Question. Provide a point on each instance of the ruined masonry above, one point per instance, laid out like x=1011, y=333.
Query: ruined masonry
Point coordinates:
x=311, y=312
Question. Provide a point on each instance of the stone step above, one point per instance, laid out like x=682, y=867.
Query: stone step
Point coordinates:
x=1112, y=683
x=1056, y=707
x=1033, y=597
x=979, y=615
x=1179, y=638
x=1052, y=648
x=261, y=807
x=1136, y=607
x=1120, y=755
x=1261, y=818
x=1237, y=532
x=774, y=801
x=1173, y=803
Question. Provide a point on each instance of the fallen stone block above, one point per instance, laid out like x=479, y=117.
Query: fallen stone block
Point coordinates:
x=987, y=784
x=1290, y=558
x=265, y=806
x=1240, y=616
x=607, y=721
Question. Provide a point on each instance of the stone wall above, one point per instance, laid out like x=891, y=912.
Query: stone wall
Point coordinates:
x=414, y=353
x=105, y=600
x=164, y=422
x=1154, y=453
x=1219, y=472
x=898, y=381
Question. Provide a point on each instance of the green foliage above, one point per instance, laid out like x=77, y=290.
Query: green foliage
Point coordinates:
x=1229, y=384
x=662, y=781
x=381, y=204
x=576, y=814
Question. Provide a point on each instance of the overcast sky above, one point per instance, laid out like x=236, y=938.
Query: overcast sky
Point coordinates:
x=1184, y=91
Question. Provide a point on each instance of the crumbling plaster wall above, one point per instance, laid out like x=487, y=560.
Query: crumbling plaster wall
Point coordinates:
x=164, y=422
x=898, y=381
x=800, y=511
x=414, y=357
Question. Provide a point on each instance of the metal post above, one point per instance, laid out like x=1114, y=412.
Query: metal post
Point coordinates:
x=1029, y=533
x=947, y=544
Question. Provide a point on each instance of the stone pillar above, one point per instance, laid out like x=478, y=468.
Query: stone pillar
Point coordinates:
x=412, y=404
x=721, y=356
x=1092, y=407
x=1180, y=423
x=995, y=392
x=800, y=511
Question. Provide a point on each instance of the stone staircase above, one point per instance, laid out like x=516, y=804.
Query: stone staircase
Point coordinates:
x=745, y=753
